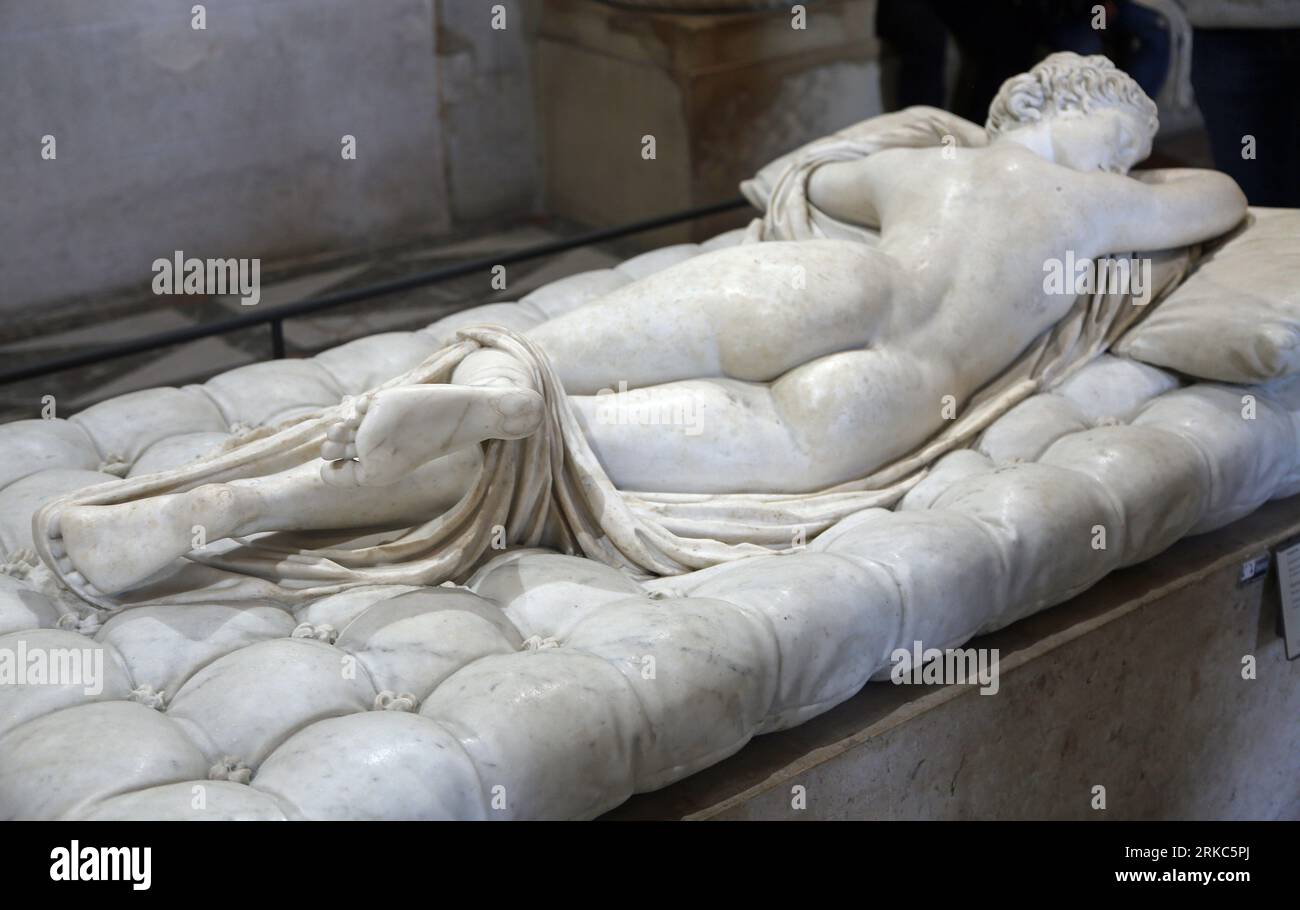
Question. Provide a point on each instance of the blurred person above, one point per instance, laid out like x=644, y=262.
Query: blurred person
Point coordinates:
x=1244, y=55
x=999, y=38
x=916, y=35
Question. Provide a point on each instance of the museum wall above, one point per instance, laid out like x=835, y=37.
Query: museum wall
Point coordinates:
x=487, y=115
x=226, y=141
x=719, y=95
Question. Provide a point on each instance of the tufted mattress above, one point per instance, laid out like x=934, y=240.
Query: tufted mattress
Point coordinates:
x=552, y=686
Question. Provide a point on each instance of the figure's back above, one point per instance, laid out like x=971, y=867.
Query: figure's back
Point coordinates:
x=977, y=221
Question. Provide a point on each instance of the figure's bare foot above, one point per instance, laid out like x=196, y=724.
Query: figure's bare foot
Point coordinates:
x=392, y=432
x=106, y=549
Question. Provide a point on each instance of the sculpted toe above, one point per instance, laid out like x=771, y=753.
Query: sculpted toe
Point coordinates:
x=521, y=411
x=339, y=473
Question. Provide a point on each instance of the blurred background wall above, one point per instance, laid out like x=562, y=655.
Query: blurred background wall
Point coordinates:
x=226, y=141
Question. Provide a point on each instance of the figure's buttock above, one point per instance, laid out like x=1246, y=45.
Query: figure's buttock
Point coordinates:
x=751, y=312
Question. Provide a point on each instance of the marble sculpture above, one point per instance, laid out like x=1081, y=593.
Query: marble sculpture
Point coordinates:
x=820, y=370
x=766, y=464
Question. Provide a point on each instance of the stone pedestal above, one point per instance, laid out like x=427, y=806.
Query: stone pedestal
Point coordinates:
x=721, y=94
x=1135, y=685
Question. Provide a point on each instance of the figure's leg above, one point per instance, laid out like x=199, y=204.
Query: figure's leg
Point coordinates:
x=395, y=440
x=832, y=420
x=163, y=528
x=301, y=500
x=393, y=431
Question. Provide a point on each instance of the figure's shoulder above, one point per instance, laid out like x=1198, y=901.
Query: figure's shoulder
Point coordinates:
x=1010, y=156
x=902, y=158
x=1011, y=161
x=929, y=166
x=892, y=154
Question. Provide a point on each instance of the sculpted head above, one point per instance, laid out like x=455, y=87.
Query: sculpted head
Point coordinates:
x=1082, y=112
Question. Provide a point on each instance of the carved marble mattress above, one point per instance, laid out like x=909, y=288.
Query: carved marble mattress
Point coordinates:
x=553, y=686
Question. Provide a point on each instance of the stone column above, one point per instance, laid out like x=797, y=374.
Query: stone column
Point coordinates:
x=720, y=93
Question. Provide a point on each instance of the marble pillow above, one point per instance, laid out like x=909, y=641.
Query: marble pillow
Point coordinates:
x=1237, y=317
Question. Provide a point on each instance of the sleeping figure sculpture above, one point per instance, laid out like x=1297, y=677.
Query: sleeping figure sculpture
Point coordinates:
x=900, y=270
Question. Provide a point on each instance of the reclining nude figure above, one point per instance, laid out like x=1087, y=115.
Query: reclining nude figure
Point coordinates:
x=795, y=352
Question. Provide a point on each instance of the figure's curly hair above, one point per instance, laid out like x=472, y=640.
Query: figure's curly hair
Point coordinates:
x=1065, y=82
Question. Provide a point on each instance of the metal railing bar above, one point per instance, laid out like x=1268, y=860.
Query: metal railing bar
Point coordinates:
x=275, y=315
x=277, y=339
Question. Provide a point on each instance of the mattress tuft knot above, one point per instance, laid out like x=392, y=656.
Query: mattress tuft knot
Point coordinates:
x=388, y=700
x=87, y=625
x=115, y=465
x=231, y=769
x=150, y=697
x=324, y=632
x=20, y=563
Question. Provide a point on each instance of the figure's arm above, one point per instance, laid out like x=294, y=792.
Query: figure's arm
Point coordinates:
x=844, y=189
x=917, y=126
x=947, y=123
x=1164, y=209
x=841, y=190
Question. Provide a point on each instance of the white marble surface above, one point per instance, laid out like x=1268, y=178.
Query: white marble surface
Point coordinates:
x=553, y=686
x=785, y=367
